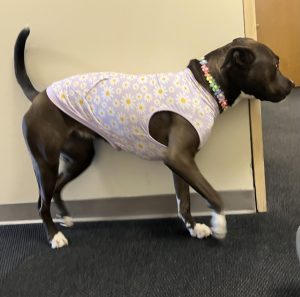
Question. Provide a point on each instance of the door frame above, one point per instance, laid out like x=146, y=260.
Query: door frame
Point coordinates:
x=255, y=120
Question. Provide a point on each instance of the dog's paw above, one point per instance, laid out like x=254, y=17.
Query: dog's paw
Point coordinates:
x=218, y=226
x=200, y=231
x=59, y=241
x=66, y=221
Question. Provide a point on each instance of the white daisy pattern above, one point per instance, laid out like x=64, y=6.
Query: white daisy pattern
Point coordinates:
x=141, y=108
x=148, y=97
x=114, y=81
x=142, y=79
x=122, y=106
x=183, y=101
x=164, y=78
x=107, y=92
x=67, y=83
x=116, y=103
x=122, y=118
x=136, y=130
x=133, y=118
x=83, y=86
x=128, y=101
x=139, y=96
x=144, y=89
x=125, y=84
x=160, y=92
x=171, y=89
x=170, y=100
x=111, y=111
x=185, y=88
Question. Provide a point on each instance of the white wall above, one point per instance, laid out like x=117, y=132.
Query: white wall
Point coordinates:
x=70, y=37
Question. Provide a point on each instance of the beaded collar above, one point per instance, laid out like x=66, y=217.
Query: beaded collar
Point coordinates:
x=218, y=93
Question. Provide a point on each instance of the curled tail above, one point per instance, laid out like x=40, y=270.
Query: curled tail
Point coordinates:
x=20, y=69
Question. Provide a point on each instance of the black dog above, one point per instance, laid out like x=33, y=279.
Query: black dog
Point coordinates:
x=50, y=132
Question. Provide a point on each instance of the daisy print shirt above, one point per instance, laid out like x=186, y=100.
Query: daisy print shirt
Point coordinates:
x=119, y=107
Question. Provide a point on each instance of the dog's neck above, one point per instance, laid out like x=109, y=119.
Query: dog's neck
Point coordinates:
x=215, y=60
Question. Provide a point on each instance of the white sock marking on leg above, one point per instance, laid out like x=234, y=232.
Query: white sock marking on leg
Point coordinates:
x=218, y=225
x=67, y=222
x=200, y=231
x=59, y=240
x=178, y=209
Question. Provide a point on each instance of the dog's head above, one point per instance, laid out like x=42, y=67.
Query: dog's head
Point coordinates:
x=255, y=69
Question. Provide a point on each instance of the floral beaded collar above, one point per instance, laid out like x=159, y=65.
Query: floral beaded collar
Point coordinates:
x=218, y=93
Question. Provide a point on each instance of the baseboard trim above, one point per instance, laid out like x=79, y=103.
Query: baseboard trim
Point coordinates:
x=128, y=208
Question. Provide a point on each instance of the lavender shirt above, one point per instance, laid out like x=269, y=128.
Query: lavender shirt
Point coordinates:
x=119, y=106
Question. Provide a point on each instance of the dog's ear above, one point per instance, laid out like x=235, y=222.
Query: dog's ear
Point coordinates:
x=241, y=56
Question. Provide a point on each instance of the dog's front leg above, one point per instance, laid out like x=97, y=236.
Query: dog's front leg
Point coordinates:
x=187, y=169
x=184, y=209
x=183, y=144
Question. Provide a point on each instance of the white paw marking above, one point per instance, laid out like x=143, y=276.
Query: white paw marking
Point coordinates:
x=178, y=204
x=200, y=231
x=66, y=221
x=58, y=241
x=178, y=209
x=218, y=226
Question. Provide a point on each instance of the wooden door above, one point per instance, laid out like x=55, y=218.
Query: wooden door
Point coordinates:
x=278, y=26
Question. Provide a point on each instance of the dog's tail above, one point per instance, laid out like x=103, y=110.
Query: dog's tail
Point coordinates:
x=20, y=69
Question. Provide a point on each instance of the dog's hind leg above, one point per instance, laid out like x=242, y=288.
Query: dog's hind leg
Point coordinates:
x=78, y=153
x=45, y=132
x=47, y=174
x=184, y=209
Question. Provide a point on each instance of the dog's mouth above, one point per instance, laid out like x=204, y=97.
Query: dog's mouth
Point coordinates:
x=275, y=99
x=276, y=94
x=279, y=96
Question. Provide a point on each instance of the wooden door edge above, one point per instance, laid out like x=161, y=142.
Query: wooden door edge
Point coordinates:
x=257, y=155
x=255, y=120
